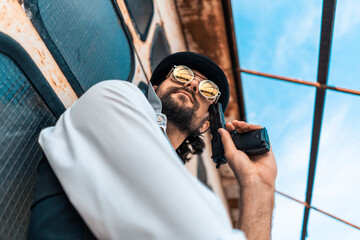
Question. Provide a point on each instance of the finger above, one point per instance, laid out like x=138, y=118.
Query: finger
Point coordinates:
x=239, y=126
x=230, y=127
x=227, y=141
x=252, y=127
x=242, y=127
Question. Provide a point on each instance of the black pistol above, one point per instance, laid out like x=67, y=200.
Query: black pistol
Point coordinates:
x=252, y=143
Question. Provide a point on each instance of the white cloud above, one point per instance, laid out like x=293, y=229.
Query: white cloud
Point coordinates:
x=336, y=180
x=288, y=217
x=347, y=17
x=299, y=30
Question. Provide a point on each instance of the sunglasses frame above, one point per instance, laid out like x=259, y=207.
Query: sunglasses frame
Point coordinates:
x=212, y=99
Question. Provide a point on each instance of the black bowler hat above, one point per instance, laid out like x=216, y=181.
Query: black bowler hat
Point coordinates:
x=197, y=62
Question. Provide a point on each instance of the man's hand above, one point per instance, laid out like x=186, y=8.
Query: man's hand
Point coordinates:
x=256, y=176
x=248, y=170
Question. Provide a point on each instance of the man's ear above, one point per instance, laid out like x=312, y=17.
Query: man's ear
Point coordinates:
x=205, y=126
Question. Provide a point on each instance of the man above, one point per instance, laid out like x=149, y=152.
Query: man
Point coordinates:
x=113, y=153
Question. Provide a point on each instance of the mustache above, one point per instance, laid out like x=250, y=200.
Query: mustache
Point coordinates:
x=175, y=89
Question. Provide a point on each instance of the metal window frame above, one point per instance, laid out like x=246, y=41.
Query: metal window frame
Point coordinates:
x=37, y=21
x=143, y=36
x=17, y=53
x=159, y=32
x=326, y=35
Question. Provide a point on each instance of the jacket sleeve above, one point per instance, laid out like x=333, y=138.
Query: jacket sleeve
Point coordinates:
x=122, y=175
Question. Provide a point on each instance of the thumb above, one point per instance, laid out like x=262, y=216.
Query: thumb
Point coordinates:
x=232, y=154
x=229, y=146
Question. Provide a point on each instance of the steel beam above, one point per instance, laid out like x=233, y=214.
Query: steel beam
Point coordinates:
x=327, y=24
x=229, y=24
x=300, y=81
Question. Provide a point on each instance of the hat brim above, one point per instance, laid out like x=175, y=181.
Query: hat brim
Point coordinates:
x=198, y=62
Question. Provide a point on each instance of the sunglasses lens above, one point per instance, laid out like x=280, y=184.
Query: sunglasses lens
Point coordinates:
x=183, y=74
x=208, y=89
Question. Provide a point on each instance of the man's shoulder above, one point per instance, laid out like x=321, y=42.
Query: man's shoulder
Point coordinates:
x=110, y=94
x=114, y=84
x=115, y=89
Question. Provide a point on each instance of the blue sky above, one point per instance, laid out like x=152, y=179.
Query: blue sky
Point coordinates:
x=282, y=37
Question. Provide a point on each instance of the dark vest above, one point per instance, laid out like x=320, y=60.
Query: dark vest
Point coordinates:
x=52, y=214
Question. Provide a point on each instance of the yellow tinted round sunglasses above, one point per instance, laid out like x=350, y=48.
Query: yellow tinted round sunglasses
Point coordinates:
x=207, y=88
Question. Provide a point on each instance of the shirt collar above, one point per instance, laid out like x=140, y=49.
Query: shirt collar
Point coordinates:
x=154, y=99
x=157, y=106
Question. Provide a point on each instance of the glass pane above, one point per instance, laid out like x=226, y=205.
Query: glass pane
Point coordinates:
x=89, y=36
x=322, y=227
x=22, y=115
x=279, y=37
x=141, y=12
x=337, y=172
x=286, y=110
x=160, y=48
x=345, y=53
x=287, y=219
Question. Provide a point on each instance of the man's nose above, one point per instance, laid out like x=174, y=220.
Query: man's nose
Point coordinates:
x=193, y=85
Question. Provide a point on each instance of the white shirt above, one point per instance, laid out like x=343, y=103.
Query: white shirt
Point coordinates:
x=123, y=176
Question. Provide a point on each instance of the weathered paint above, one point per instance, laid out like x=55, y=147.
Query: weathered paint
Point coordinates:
x=139, y=75
x=143, y=49
x=172, y=25
x=161, y=16
x=15, y=23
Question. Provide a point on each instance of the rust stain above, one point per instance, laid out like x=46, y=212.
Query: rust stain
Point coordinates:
x=203, y=29
x=60, y=80
x=43, y=59
x=3, y=11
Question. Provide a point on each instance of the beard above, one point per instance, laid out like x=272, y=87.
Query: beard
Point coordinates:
x=178, y=113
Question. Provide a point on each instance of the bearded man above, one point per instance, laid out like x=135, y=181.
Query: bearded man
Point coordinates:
x=119, y=158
